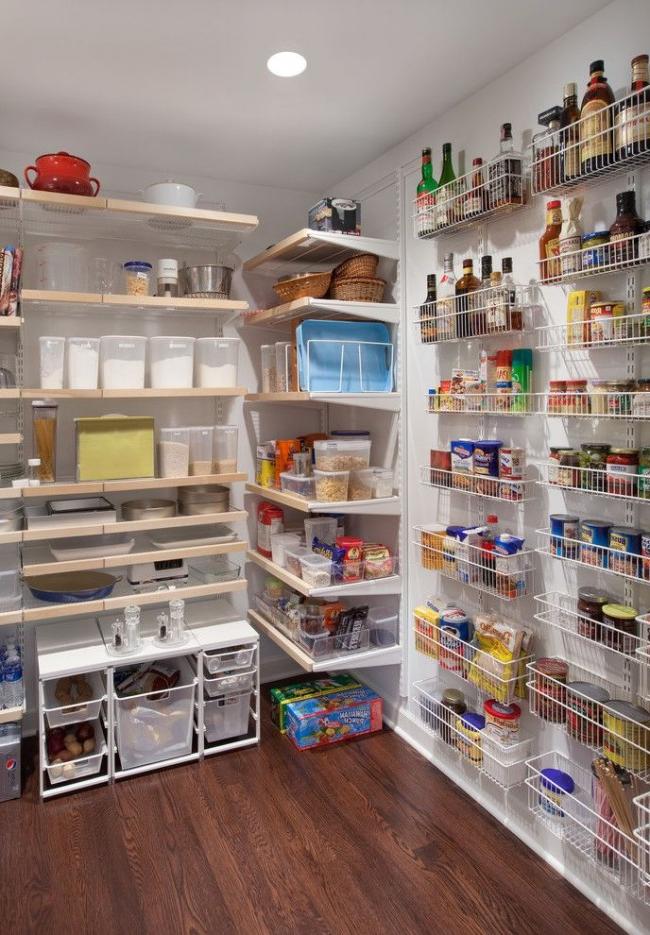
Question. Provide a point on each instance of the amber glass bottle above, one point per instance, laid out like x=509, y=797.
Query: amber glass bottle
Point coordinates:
x=549, y=243
x=596, y=145
x=632, y=118
x=627, y=223
x=467, y=284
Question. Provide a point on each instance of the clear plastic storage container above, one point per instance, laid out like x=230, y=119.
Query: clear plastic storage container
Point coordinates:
x=316, y=570
x=81, y=766
x=371, y=484
x=52, y=356
x=59, y=715
x=10, y=595
x=137, y=277
x=282, y=366
x=268, y=368
x=231, y=682
x=225, y=449
x=383, y=624
x=216, y=361
x=226, y=717
x=320, y=527
x=342, y=454
x=171, y=362
x=201, y=445
x=62, y=267
x=281, y=541
x=174, y=452
x=300, y=484
x=331, y=486
x=227, y=660
x=292, y=559
x=83, y=363
x=122, y=358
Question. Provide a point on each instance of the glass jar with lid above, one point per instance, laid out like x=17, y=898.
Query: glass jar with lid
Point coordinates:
x=568, y=473
x=622, y=465
x=619, y=397
x=556, y=397
x=577, y=399
x=641, y=399
x=590, y=610
x=593, y=459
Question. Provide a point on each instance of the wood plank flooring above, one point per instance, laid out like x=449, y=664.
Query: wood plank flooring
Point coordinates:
x=363, y=838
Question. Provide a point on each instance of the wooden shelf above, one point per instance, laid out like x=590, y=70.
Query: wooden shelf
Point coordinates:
x=10, y=438
x=138, y=525
x=387, y=506
x=12, y=393
x=390, y=402
x=379, y=656
x=324, y=308
x=195, y=392
x=10, y=321
x=308, y=249
x=83, y=488
x=389, y=585
x=96, y=302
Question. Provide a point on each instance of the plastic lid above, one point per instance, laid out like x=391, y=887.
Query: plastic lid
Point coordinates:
x=550, y=205
x=620, y=611
x=556, y=780
x=504, y=712
x=453, y=696
x=138, y=265
x=473, y=720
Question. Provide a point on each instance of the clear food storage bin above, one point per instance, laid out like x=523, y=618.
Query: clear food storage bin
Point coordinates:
x=321, y=527
x=224, y=452
x=11, y=515
x=201, y=445
x=51, y=356
x=292, y=559
x=216, y=361
x=83, y=363
x=342, y=454
x=331, y=486
x=231, y=682
x=281, y=541
x=226, y=717
x=137, y=277
x=62, y=267
x=81, y=766
x=383, y=624
x=156, y=726
x=171, y=362
x=268, y=368
x=371, y=484
x=226, y=660
x=174, y=452
x=215, y=570
x=10, y=595
x=44, y=425
x=59, y=715
x=122, y=358
x=316, y=570
x=300, y=484
x=282, y=366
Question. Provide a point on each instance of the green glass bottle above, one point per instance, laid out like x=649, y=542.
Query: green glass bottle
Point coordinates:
x=445, y=214
x=424, y=212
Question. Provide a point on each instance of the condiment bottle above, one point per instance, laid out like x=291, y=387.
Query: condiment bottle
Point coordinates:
x=428, y=327
x=627, y=224
x=549, y=243
x=632, y=118
x=466, y=284
x=546, y=146
x=132, y=627
x=570, y=133
x=596, y=121
x=571, y=238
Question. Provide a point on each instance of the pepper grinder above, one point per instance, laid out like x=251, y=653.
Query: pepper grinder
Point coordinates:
x=132, y=626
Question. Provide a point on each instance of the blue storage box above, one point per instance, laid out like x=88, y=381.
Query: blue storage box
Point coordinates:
x=344, y=357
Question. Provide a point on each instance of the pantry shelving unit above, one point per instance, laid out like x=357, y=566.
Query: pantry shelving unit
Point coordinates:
x=489, y=313
x=314, y=250
x=520, y=490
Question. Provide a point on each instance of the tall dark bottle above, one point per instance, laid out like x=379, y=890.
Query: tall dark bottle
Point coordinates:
x=632, y=118
x=426, y=198
x=596, y=144
x=428, y=320
x=570, y=134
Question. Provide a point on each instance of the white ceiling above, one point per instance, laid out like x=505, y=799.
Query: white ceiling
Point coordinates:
x=182, y=87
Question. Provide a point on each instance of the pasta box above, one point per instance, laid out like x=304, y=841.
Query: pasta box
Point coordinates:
x=328, y=719
x=314, y=688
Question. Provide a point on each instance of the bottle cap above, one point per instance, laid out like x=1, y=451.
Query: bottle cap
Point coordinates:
x=467, y=263
x=598, y=65
x=431, y=279
x=491, y=518
x=626, y=200
x=571, y=89
x=449, y=259
x=477, y=161
x=486, y=265
x=506, y=131
x=446, y=149
x=506, y=264
x=427, y=151
x=640, y=59
x=34, y=462
x=551, y=205
x=452, y=696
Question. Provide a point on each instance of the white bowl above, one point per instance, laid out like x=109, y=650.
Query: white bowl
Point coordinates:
x=171, y=193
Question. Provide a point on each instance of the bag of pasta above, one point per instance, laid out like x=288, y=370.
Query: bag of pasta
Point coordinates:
x=495, y=669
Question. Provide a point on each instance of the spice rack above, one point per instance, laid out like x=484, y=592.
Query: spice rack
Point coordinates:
x=486, y=313
x=617, y=257
x=626, y=331
x=599, y=558
x=589, y=405
x=594, y=482
x=477, y=404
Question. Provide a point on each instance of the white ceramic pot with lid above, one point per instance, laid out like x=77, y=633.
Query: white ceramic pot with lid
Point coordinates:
x=171, y=193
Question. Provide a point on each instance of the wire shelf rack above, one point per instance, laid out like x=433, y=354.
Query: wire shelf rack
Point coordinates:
x=503, y=489
x=588, y=639
x=630, y=406
x=642, y=834
x=504, y=764
x=612, y=257
x=591, y=148
x=498, y=187
x=497, y=404
x=491, y=677
x=595, y=481
x=631, y=566
x=615, y=330
x=486, y=313
x=507, y=577
x=584, y=818
x=583, y=705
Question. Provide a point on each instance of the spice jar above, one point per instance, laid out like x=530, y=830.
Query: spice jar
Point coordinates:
x=585, y=712
x=577, y=400
x=549, y=698
x=619, y=397
x=621, y=466
x=590, y=609
x=622, y=620
x=554, y=460
x=44, y=421
x=568, y=474
x=593, y=459
x=137, y=276
x=556, y=397
x=598, y=397
x=641, y=399
x=453, y=702
x=643, y=490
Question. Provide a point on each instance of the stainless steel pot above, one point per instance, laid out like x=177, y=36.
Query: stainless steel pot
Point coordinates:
x=205, y=281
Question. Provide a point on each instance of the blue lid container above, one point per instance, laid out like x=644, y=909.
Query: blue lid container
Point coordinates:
x=556, y=781
x=473, y=720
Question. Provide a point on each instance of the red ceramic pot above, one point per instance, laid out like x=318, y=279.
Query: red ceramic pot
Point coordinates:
x=61, y=172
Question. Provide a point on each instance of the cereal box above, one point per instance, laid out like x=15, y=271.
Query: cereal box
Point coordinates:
x=328, y=719
x=283, y=695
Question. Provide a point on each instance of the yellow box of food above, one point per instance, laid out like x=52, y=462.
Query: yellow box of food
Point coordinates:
x=578, y=306
x=114, y=447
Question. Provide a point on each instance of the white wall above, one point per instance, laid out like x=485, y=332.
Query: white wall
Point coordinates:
x=616, y=33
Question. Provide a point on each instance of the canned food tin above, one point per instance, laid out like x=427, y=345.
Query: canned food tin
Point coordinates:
x=548, y=701
x=622, y=621
x=594, y=534
x=626, y=735
x=625, y=548
x=590, y=609
x=512, y=463
x=606, y=323
x=595, y=249
x=564, y=535
x=486, y=457
x=585, y=712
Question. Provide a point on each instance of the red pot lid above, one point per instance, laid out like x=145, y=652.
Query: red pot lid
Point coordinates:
x=62, y=153
x=504, y=712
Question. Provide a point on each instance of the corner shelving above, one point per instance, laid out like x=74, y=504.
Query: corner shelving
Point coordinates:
x=34, y=300
x=391, y=584
x=384, y=506
x=309, y=250
x=324, y=308
x=391, y=402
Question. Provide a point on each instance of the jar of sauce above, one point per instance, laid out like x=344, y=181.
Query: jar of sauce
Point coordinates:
x=595, y=249
x=590, y=609
x=619, y=397
x=621, y=466
x=593, y=458
x=568, y=472
x=556, y=397
x=623, y=234
x=554, y=462
x=549, y=243
x=453, y=702
x=577, y=400
x=549, y=700
x=622, y=621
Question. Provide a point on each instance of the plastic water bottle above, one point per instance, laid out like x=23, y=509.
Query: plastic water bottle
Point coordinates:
x=14, y=688
x=2, y=683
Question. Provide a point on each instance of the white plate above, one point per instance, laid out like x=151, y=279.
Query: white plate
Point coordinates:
x=178, y=538
x=81, y=547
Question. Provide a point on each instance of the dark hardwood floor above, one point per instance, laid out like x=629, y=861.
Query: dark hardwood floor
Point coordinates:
x=366, y=837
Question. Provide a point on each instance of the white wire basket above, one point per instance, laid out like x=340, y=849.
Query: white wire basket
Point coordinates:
x=642, y=834
x=596, y=481
x=507, y=577
x=504, y=764
x=490, y=312
x=582, y=818
x=606, y=727
x=633, y=405
x=479, y=485
x=626, y=565
x=491, y=678
x=587, y=150
x=498, y=404
x=621, y=254
x=500, y=186
x=596, y=333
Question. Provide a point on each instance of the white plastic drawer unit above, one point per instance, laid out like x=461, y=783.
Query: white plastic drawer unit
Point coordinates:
x=59, y=715
x=227, y=717
x=155, y=726
x=231, y=682
x=83, y=766
x=225, y=660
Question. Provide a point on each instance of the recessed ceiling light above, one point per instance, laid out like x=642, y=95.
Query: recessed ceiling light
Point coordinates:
x=287, y=64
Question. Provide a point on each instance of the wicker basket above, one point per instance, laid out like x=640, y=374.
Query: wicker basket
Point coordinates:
x=361, y=266
x=358, y=290
x=305, y=285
